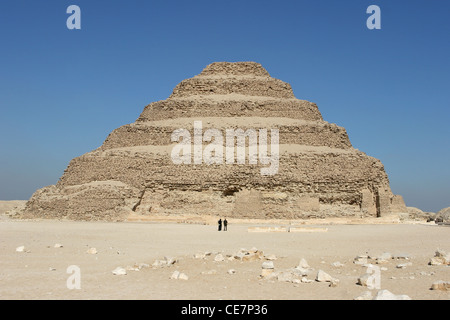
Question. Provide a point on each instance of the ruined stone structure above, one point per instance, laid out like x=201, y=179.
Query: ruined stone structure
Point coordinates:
x=320, y=174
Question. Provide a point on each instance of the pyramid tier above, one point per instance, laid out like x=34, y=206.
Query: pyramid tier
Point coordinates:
x=241, y=68
x=246, y=78
x=323, y=171
x=291, y=131
x=250, y=86
x=233, y=105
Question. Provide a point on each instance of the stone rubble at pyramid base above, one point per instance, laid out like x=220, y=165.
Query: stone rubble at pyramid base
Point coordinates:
x=112, y=201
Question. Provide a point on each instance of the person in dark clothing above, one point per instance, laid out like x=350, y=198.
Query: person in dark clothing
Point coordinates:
x=220, y=224
x=225, y=224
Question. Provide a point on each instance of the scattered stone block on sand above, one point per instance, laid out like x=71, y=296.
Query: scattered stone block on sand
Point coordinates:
x=382, y=258
x=252, y=256
x=322, y=276
x=361, y=259
x=177, y=275
x=366, y=295
x=440, y=258
x=441, y=285
x=403, y=265
x=265, y=273
x=286, y=276
x=92, y=251
x=133, y=268
x=159, y=263
x=267, y=269
x=387, y=295
x=142, y=265
x=301, y=272
x=270, y=257
x=364, y=280
x=337, y=264
x=249, y=255
x=219, y=258
x=303, y=268
x=183, y=276
x=402, y=256
x=303, y=264
x=168, y=261
x=119, y=271
x=199, y=256
x=268, y=265
x=334, y=282
x=20, y=249
x=212, y=271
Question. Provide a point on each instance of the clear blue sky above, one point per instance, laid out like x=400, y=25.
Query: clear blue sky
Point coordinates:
x=63, y=91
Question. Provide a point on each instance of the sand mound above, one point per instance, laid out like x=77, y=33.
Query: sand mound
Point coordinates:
x=443, y=216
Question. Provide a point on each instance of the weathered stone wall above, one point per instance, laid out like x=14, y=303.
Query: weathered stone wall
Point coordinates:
x=248, y=203
x=310, y=134
x=242, y=204
x=368, y=202
x=230, y=107
x=335, y=176
x=102, y=200
x=235, y=68
x=251, y=86
x=398, y=204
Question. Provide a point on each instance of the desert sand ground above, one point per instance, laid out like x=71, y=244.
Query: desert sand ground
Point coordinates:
x=40, y=272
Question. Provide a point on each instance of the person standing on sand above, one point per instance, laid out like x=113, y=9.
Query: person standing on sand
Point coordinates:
x=220, y=224
x=225, y=224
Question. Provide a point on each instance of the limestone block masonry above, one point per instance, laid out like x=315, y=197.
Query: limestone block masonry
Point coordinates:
x=320, y=174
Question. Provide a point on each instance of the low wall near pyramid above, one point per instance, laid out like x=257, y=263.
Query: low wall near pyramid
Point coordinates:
x=319, y=173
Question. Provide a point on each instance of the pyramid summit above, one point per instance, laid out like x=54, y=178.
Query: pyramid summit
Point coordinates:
x=319, y=173
x=235, y=68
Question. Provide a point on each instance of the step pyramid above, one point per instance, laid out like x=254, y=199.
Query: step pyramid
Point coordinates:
x=319, y=173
